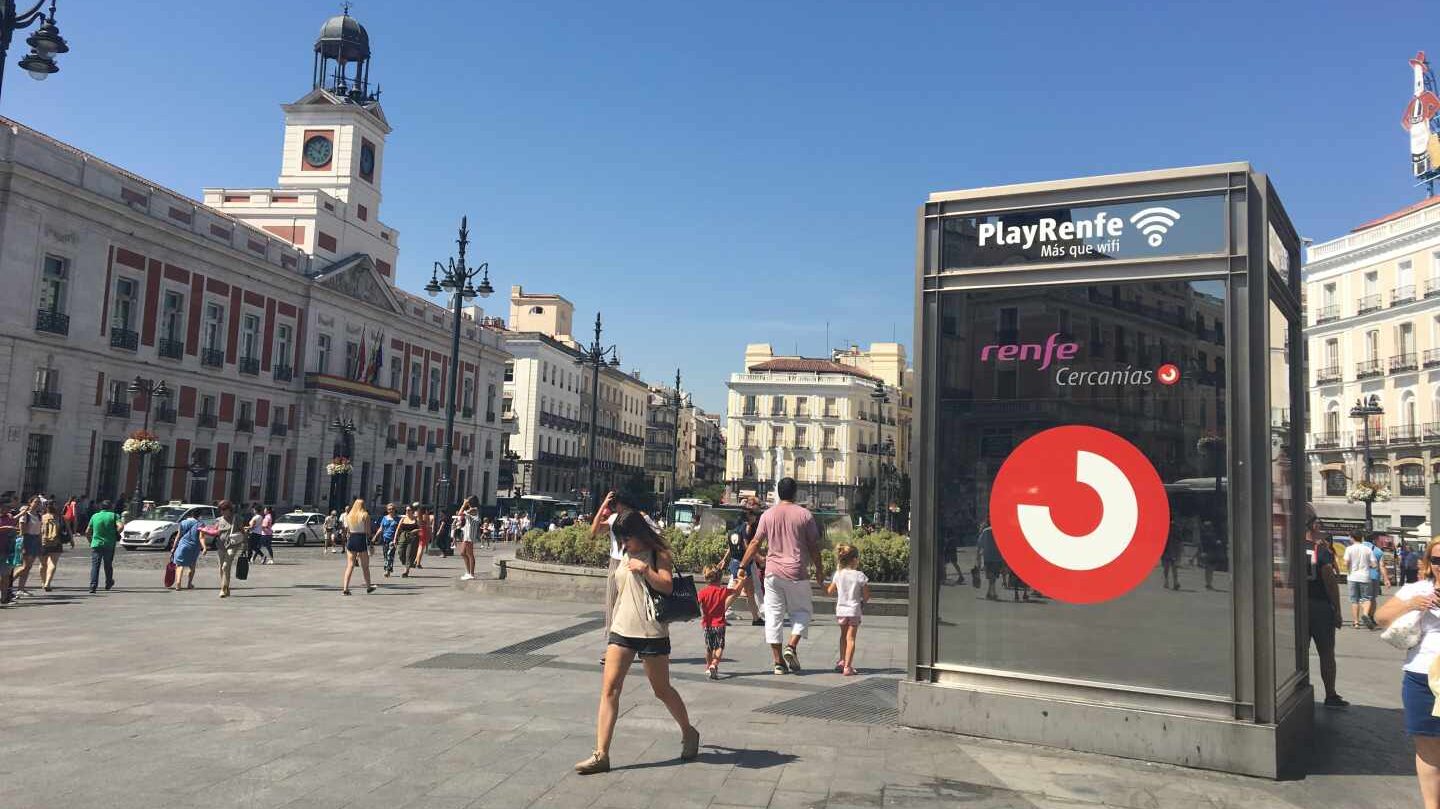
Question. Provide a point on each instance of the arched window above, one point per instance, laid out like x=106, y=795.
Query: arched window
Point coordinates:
x=1332, y=420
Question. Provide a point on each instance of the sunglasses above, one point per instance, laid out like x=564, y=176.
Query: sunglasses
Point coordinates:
x=1435, y=560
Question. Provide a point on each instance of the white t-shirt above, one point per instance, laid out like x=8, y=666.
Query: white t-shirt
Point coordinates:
x=1419, y=657
x=849, y=590
x=1359, y=559
x=357, y=524
x=616, y=552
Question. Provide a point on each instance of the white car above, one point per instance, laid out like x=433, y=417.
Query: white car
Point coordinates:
x=156, y=529
x=299, y=528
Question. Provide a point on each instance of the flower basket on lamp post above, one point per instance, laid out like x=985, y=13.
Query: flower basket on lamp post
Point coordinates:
x=1367, y=492
x=338, y=466
x=141, y=442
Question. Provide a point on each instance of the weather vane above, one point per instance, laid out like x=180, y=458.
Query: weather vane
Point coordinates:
x=345, y=7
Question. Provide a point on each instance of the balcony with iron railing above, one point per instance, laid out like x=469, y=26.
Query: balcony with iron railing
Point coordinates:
x=1431, y=430
x=1431, y=357
x=1405, y=434
x=1402, y=363
x=1327, y=314
x=1367, y=369
x=212, y=357
x=52, y=322
x=1402, y=294
x=1368, y=304
x=121, y=337
x=430, y=446
x=171, y=349
x=117, y=408
x=1328, y=440
x=45, y=399
x=489, y=416
x=279, y=428
x=1432, y=287
x=390, y=442
x=411, y=444
x=467, y=412
x=415, y=400
x=283, y=373
x=243, y=425
x=249, y=366
x=207, y=420
x=433, y=405
x=165, y=414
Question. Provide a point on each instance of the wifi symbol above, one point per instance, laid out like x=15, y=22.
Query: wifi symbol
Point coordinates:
x=1154, y=223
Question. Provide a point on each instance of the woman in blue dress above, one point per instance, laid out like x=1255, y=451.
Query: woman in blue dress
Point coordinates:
x=188, y=547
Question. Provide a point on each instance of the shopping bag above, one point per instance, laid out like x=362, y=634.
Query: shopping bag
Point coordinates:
x=170, y=574
x=1404, y=632
x=242, y=568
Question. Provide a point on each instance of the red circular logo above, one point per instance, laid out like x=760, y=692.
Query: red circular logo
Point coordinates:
x=1079, y=514
x=1168, y=374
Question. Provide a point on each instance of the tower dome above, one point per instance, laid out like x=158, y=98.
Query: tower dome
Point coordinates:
x=343, y=39
x=342, y=59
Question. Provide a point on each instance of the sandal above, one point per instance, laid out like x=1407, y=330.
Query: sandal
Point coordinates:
x=597, y=763
x=344, y=592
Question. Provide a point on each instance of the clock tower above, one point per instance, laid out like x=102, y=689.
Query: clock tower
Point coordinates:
x=327, y=199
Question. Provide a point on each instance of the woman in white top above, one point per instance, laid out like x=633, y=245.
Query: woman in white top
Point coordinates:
x=1420, y=721
x=469, y=518
x=357, y=547
x=634, y=631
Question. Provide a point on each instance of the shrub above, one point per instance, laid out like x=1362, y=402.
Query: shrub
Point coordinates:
x=884, y=556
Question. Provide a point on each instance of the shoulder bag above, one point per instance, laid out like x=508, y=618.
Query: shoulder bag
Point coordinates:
x=242, y=567
x=680, y=604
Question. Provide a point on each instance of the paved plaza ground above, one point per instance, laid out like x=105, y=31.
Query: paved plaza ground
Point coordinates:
x=424, y=695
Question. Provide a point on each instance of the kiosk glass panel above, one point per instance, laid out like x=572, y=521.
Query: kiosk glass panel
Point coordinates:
x=1144, y=361
x=1282, y=498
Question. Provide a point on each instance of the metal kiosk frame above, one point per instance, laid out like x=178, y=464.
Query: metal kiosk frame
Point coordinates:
x=1261, y=728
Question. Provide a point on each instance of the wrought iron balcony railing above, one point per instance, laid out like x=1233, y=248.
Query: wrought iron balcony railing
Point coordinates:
x=52, y=322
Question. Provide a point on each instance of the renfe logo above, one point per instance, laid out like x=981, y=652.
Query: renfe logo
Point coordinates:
x=1042, y=353
x=1080, y=514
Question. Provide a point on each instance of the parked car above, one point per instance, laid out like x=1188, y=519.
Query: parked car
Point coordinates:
x=156, y=529
x=299, y=528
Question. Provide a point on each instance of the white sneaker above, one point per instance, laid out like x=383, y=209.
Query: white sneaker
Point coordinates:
x=466, y=577
x=25, y=593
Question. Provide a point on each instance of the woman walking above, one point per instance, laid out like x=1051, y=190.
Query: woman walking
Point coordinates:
x=231, y=534
x=426, y=518
x=267, y=535
x=407, y=537
x=1420, y=721
x=735, y=546
x=189, y=546
x=647, y=566
x=53, y=537
x=357, y=547
x=332, y=526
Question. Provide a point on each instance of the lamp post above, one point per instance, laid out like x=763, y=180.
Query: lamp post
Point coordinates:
x=595, y=355
x=880, y=398
x=675, y=451
x=45, y=44
x=1364, y=409
x=342, y=447
x=886, y=466
x=455, y=277
x=151, y=389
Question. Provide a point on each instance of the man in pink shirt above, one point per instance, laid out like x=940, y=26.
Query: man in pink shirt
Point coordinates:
x=793, y=539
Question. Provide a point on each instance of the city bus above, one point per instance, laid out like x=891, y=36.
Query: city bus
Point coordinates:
x=544, y=509
x=687, y=513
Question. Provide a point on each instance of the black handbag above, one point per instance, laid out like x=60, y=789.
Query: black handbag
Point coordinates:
x=242, y=568
x=680, y=604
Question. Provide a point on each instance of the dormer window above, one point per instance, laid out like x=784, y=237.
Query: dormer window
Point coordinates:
x=537, y=310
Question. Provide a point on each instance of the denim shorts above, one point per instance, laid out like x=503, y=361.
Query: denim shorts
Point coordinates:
x=1359, y=591
x=32, y=545
x=1419, y=702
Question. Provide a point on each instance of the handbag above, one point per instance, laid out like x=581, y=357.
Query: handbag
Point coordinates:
x=1404, y=632
x=170, y=574
x=679, y=605
x=975, y=576
x=242, y=568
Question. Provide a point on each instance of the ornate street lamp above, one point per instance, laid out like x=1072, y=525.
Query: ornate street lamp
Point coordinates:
x=595, y=356
x=678, y=402
x=151, y=389
x=344, y=448
x=1365, y=409
x=455, y=278
x=881, y=398
x=45, y=44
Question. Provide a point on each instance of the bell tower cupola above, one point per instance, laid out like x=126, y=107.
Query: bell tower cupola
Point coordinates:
x=342, y=59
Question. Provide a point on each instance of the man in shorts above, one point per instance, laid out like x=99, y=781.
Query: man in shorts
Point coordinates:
x=1358, y=561
x=793, y=539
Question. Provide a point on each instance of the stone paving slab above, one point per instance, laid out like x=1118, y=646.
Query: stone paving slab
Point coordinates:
x=289, y=695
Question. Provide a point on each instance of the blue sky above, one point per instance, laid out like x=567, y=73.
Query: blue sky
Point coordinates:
x=712, y=175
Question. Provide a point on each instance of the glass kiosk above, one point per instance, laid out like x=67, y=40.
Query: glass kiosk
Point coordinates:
x=1108, y=469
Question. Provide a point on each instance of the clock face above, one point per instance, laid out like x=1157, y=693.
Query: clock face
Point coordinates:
x=317, y=151
x=367, y=160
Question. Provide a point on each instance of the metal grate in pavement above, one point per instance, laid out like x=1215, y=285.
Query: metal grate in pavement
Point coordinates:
x=490, y=662
x=541, y=641
x=871, y=701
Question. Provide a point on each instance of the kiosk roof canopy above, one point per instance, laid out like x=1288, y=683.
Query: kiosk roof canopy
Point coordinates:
x=1090, y=182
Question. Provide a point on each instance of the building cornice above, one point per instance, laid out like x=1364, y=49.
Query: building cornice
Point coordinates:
x=1373, y=250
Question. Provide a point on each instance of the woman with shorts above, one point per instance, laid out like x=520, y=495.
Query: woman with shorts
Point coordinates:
x=647, y=565
x=357, y=545
x=468, y=522
x=1420, y=661
x=53, y=537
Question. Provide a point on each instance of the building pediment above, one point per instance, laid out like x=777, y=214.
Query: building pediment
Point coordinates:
x=320, y=97
x=357, y=277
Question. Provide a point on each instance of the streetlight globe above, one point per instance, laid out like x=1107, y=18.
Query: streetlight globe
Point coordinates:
x=39, y=66
x=46, y=41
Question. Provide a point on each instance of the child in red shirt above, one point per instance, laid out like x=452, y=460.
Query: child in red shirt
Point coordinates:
x=714, y=602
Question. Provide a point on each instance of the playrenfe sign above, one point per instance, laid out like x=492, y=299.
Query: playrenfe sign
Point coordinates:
x=1164, y=226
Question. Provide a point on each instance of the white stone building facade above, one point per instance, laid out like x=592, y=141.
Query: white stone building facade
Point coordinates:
x=1373, y=330
x=266, y=339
